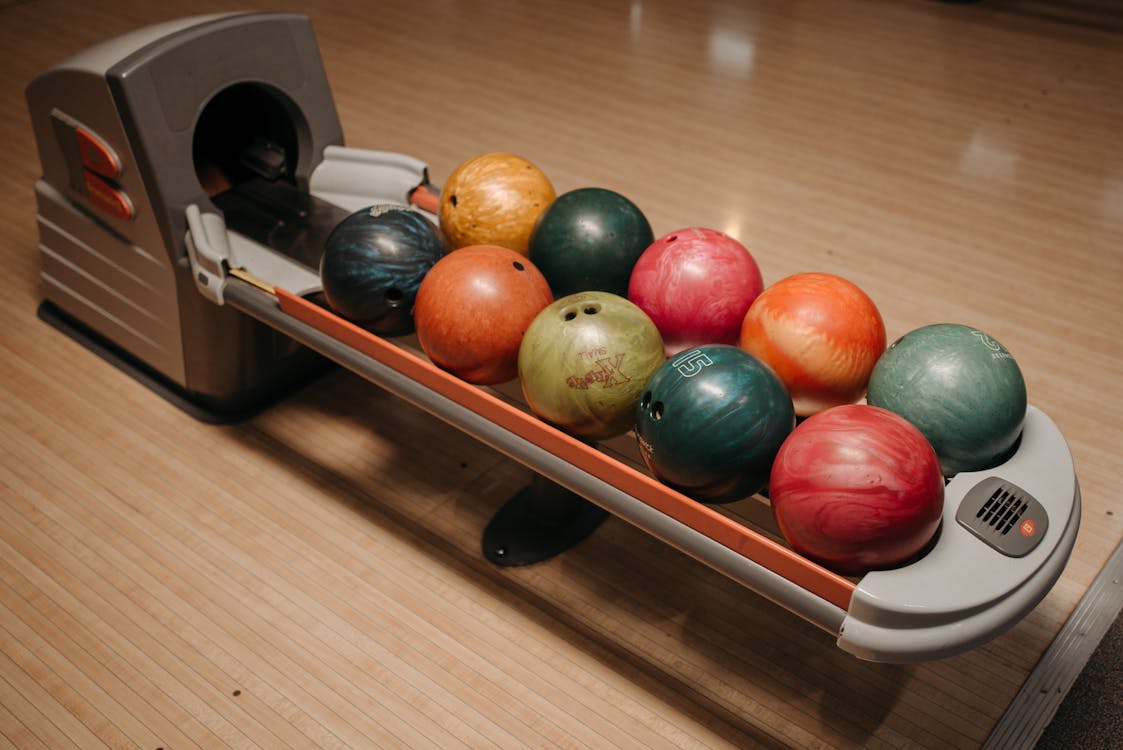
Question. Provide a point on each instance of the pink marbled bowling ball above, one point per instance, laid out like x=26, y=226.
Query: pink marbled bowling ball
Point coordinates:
x=696, y=285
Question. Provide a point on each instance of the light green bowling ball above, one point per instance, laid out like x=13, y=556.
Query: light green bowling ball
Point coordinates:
x=960, y=387
x=584, y=361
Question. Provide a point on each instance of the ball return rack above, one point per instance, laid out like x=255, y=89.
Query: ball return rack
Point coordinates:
x=181, y=219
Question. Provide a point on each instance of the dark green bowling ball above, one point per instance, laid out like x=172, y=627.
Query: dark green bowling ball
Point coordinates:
x=711, y=421
x=960, y=387
x=588, y=240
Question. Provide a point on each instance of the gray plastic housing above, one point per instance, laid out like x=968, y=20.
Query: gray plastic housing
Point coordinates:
x=144, y=95
x=965, y=592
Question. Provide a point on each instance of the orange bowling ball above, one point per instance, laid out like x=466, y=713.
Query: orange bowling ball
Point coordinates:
x=821, y=334
x=494, y=199
x=473, y=308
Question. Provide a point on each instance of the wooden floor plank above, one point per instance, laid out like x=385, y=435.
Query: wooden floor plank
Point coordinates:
x=14, y=734
x=244, y=560
x=142, y=660
x=258, y=622
x=58, y=717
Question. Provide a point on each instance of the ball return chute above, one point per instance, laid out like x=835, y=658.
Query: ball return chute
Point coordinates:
x=190, y=173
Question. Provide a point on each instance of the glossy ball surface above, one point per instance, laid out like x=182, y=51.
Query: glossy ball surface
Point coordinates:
x=696, y=284
x=494, y=199
x=589, y=240
x=960, y=387
x=584, y=362
x=710, y=422
x=820, y=333
x=374, y=261
x=857, y=488
x=473, y=308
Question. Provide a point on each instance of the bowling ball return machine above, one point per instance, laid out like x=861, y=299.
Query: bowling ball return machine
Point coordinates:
x=190, y=174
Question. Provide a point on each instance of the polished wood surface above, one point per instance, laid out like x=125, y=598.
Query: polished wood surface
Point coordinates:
x=312, y=577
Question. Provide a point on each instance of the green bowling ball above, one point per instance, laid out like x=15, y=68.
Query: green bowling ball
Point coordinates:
x=584, y=361
x=589, y=240
x=960, y=387
x=711, y=421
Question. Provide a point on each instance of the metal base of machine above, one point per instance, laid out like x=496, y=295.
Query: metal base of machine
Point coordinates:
x=540, y=522
x=199, y=408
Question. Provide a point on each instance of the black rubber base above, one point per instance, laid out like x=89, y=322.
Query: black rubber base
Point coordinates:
x=159, y=384
x=538, y=523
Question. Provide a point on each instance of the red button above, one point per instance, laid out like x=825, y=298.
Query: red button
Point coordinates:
x=108, y=198
x=97, y=155
x=1028, y=528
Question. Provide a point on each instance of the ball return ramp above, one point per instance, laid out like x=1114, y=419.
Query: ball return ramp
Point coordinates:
x=191, y=172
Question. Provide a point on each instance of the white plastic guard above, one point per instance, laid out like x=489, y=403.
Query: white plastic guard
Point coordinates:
x=208, y=251
x=354, y=178
x=212, y=250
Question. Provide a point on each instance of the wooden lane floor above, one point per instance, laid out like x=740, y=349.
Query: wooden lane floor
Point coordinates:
x=312, y=577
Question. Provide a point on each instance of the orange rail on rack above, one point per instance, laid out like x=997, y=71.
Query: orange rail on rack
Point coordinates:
x=706, y=521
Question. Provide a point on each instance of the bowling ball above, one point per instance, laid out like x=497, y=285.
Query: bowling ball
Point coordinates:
x=372, y=264
x=473, y=308
x=696, y=284
x=710, y=422
x=959, y=387
x=820, y=333
x=584, y=362
x=857, y=488
x=589, y=240
x=493, y=199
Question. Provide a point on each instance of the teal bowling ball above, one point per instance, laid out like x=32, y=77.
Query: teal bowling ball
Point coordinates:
x=588, y=240
x=711, y=421
x=960, y=387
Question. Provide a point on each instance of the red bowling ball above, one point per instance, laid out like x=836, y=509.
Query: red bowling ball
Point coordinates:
x=696, y=284
x=857, y=488
x=473, y=308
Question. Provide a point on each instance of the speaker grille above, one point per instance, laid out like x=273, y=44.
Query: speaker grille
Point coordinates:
x=1002, y=509
x=1004, y=516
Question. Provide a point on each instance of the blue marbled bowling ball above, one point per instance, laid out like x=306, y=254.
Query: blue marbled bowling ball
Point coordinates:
x=373, y=263
x=711, y=421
